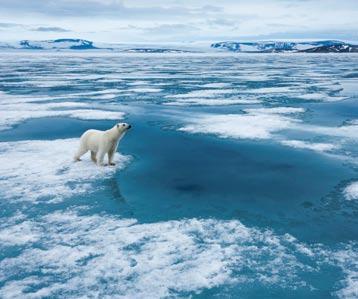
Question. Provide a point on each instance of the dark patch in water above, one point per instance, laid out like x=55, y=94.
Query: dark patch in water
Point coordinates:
x=307, y=204
x=189, y=188
x=116, y=192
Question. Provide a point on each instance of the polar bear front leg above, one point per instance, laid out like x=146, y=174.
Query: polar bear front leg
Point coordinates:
x=93, y=156
x=110, y=156
x=100, y=157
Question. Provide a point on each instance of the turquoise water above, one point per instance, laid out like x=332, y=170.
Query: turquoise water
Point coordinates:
x=237, y=180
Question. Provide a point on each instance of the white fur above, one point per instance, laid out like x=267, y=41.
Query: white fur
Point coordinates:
x=101, y=143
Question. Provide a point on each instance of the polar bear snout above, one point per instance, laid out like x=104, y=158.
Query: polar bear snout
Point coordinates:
x=129, y=126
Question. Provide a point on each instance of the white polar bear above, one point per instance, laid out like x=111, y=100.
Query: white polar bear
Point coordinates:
x=101, y=143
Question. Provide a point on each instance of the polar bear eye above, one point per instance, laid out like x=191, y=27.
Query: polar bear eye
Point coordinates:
x=123, y=125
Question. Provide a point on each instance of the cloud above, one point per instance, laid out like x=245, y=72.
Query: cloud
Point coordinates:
x=308, y=33
x=179, y=20
x=10, y=25
x=51, y=29
x=168, y=29
x=82, y=8
x=222, y=22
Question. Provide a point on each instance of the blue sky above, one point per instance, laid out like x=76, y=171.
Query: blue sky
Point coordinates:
x=178, y=21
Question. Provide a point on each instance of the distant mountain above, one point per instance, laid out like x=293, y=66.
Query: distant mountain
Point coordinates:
x=69, y=44
x=338, y=48
x=154, y=50
x=82, y=44
x=326, y=46
x=57, y=44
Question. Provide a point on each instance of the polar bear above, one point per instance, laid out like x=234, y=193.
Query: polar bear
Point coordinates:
x=101, y=143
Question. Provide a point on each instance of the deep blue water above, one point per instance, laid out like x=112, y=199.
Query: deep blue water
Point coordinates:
x=212, y=200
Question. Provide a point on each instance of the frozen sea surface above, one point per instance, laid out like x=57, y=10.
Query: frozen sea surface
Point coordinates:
x=238, y=180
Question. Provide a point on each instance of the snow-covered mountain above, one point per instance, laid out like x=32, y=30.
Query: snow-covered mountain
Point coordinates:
x=82, y=44
x=57, y=44
x=65, y=44
x=283, y=46
x=337, y=48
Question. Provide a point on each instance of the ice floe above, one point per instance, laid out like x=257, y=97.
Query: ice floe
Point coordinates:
x=347, y=131
x=275, y=110
x=315, y=146
x=32, y=170
x=266, y=123
x=10, y=117
x=216, y=85
x=93, y=114
x=266, y=94
x=320, y=97
x=15, y=109
x=211, y=102
x=155, y=260
x=255, y=124
x=144, y=90
x=347, y=260
x=351, y=191
x=138, y=83
x=263, y=90
x=203, y=93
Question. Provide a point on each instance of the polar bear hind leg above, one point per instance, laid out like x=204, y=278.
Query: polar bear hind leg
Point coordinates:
x=81, y=151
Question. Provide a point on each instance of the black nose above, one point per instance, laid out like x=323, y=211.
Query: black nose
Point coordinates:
x=129, y=126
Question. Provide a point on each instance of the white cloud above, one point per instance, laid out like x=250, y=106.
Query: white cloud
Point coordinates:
x=182, y=20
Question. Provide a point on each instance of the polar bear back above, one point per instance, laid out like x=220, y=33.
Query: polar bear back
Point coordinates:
x=92, y=139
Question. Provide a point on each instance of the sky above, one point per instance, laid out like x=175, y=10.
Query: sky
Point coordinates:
x=161, y=21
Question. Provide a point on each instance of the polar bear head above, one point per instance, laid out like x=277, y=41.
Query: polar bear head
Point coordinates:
x=122, y=127
x=118, y=130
